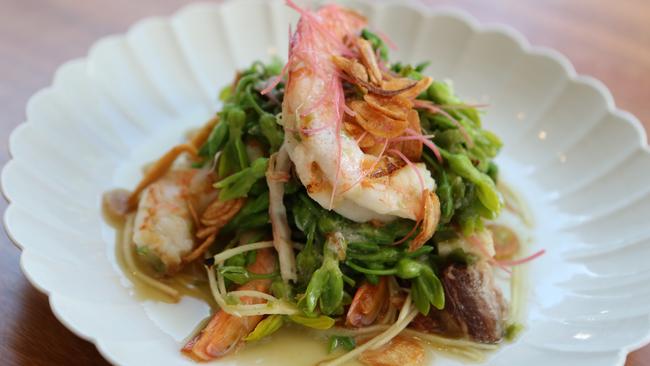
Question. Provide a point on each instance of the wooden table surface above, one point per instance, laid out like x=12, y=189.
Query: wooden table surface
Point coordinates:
x=607, y=39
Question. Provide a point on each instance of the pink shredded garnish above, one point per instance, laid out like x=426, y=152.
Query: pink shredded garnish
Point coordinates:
x=517, y=262
x=428, y=143
x=345, y=77
x=409, y=234
x=316, y=22
x=426, y=105
x=285, y=69
x=462, y=106
x=361, y=137
x=429, y=106
x=295, y=7
x=461, y=128
x=410, y=138
x=273, y=82
x=503, y=264
x=348, y=111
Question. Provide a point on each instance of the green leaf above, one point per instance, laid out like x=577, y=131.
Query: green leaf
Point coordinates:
x=253, y=214
x=280, y=289
x=227, y=161
x=326, y=284
x=436, y=291
x=385, y=254
x=216, y=140
x=316, y=285
x=241, y=275
x=441, y=92
x=408, y=268
x=512, y=331
x=265, y=328
x=348, y=343
x=308, y=259
x=225, y=93
x=306, y=211
x=238, y=184
x=443, y=191
x=321, y=322
x=332, y=295
x=487, y=191
x=427, y=290
x=242, y=155
x=420, y=299
x=422, y=65
x=236, y=118
x=272, y=131
x=371, y=271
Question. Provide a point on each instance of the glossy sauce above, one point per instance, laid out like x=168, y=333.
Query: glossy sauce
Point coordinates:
x=290, y=346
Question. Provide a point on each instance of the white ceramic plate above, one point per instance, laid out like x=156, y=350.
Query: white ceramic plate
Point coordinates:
x=582, y=165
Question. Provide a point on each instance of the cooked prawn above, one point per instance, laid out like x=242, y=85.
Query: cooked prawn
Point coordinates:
x=169, y=199
x=329, y=161
x=225, y=332
x=163, y=230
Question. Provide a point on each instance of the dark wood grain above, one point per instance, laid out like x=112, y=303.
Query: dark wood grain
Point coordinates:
x=607, y=39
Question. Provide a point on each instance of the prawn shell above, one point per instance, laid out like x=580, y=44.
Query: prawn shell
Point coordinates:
x=224, y=333
x=368, y=302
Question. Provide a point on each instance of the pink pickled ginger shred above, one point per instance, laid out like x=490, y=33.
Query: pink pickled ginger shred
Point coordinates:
x=429, y=106
x=428, y=143
x=410, y=138
x=276, y=80
x=520, y=261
